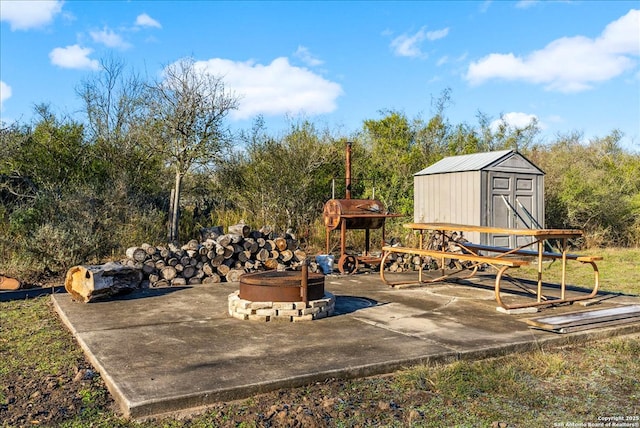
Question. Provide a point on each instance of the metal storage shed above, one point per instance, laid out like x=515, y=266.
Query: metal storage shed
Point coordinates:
x=501, y=189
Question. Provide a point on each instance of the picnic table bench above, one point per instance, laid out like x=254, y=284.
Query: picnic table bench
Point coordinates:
x=506, y=258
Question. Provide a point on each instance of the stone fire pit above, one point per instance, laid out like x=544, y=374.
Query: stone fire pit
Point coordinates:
x=281, y=296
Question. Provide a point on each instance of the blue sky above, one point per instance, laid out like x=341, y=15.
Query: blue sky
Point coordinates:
x=573, y=65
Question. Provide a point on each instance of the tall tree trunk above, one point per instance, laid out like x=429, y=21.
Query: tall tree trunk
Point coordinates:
x=170, y=221
x=176, y=208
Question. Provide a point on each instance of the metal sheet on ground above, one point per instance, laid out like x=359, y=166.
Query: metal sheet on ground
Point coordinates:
x=575, y=319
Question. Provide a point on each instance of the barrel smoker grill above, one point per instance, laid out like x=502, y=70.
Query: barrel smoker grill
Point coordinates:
x=344, y=214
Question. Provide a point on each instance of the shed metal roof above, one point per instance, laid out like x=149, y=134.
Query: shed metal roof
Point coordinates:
x=472, y=162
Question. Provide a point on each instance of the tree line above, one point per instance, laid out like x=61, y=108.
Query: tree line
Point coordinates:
x=155, y=161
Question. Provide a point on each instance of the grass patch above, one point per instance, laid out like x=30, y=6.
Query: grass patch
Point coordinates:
x=619, y=271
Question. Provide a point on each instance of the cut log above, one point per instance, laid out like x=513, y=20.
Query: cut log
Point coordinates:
x=228, y=252
x=162, y=283
x=211, y=279
x=236, y=238
x=149, y=267
x=281, y=244
x=250, y=245
x=189, y=272
x=89, y=283
x=217, y=261
x=136, y=253
x=165, y=253
x=314, y=267
x=262, y=255
x=191, y=253
x=270, y=263
x=208, y=269
x=223, y=269
x=234, y=275
x=7, y=283
x=168, y=273
x=266, y=230
x=223, y=240
x=192, y=245
x=286, y=255
x=149, y=249
x=211, y=232
x=240, y=229
x=178, y=282
x=243, y=256
x=300, y=255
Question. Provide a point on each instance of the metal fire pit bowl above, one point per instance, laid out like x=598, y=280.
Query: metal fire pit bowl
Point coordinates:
x=280, y=286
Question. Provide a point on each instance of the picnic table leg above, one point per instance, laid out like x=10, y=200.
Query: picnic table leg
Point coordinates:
x=564, y=269
x=540, y=251
x=497, y=286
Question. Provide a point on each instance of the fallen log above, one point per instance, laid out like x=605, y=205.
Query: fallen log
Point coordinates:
x=89, y=283
x=7, y=283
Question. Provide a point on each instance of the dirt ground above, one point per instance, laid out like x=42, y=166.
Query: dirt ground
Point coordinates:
x=52, y=400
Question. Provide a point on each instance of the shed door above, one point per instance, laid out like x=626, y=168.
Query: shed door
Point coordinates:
x=512, y=202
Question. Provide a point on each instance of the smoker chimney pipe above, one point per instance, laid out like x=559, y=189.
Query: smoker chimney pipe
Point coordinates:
x=348, y=174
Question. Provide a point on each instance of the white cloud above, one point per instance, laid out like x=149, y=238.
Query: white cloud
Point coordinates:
x=73, y=57
x=568, y=64
x=24, y=15
x=405, y=45
x=409, y=45
x=305, y=56
x=274, y=89
x=144, y=20
x=109, y=38
x=438, y=34
x=5, y=93
x=515, y=120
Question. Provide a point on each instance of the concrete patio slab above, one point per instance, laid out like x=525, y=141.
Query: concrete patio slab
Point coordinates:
x=177, y=349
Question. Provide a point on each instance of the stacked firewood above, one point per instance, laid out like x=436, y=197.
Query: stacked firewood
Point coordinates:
x=437, y=241
x=217, y=256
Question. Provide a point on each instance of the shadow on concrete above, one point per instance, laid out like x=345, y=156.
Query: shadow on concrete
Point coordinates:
x=142, y=293
x=29, y=293
x=349, y=304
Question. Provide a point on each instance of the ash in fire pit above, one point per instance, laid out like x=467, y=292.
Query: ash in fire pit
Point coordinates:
x=281, y=296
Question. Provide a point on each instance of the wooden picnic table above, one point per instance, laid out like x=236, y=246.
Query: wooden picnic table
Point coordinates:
x=504, y=258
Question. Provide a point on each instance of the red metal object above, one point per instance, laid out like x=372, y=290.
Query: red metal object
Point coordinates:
x=282, y=286
x=350, y=213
